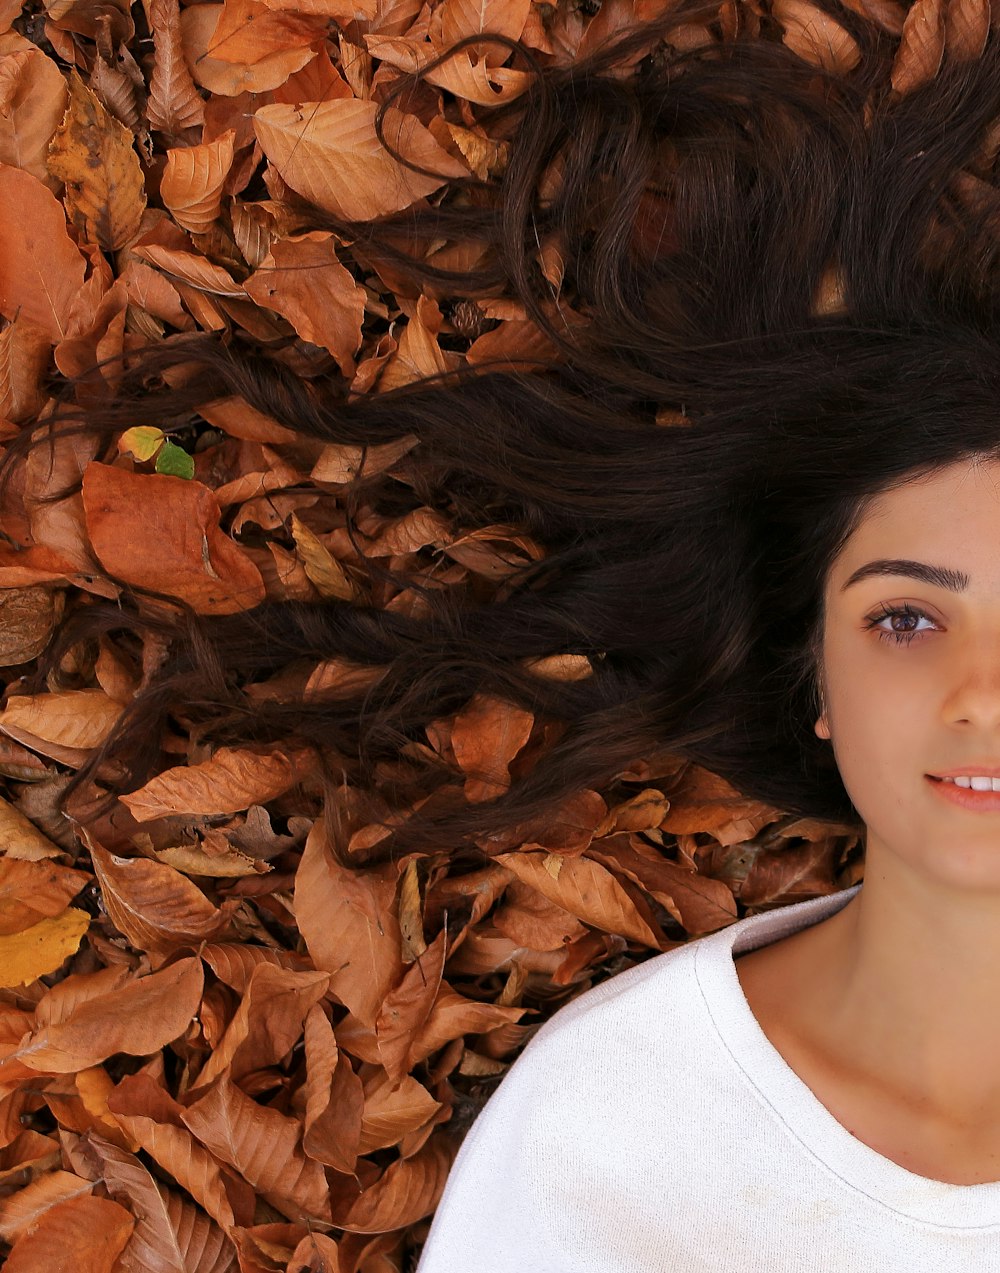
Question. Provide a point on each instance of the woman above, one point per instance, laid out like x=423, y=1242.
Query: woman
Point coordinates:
x=829, y=1100
x=788, y=371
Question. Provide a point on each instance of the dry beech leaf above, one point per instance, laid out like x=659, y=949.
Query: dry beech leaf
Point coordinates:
x=21, y=1211
x=43, y=948
x=585, y=889
x=41, y=269
x=815, y=36
x=86, y=1234
x=267, y=1023
x=486, y=736
x=330, y=153
x=138, y=1017
x=234, y=779
x=408, y=1190
x=153, y=1121
x=93, y=154
x=967, y=24
x=302, y=279
x=349, y=926
x=170, y=1233
x=73, y=719
x=157, y=908
x=921, y=46
x=191, y=186
x=24, y=355
x=265, y=1148
x=335, y=1098
x=33, y=890
x=21, y=839
x=174, y=103
x=229, y=79
x=33, y=99
x=162, y=532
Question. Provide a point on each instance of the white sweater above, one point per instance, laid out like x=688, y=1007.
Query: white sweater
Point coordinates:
x=650, y=1126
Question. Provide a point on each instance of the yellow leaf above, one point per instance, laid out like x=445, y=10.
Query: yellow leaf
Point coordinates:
x=40, y=949
x=143, y=441
x=92, y=152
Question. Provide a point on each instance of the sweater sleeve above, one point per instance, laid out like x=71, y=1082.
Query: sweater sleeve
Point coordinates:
x=503, y=1209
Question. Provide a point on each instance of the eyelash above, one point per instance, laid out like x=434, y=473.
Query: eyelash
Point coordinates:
x=886, y=612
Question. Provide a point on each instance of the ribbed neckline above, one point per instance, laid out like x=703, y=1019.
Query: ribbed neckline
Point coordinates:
x=933, y=1202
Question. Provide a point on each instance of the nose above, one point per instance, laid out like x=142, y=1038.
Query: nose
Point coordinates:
x=974, y=694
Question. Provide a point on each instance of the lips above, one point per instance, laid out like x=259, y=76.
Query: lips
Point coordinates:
x=966, y=797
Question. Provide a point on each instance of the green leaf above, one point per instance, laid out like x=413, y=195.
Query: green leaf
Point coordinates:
x=175, y=461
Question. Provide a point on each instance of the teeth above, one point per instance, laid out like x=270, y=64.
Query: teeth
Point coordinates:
x=976, y=784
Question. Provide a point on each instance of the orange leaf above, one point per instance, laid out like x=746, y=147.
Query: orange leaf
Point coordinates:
x=41, y=269
x=264, y=1146
x=232, y=780
x=348, y=922
x=86, y=1235
x=585, y=889
x=162, y=532
x=921, y=47
x=139, y=1017
x=302, y=279
x=191, y=185
x=330, y=153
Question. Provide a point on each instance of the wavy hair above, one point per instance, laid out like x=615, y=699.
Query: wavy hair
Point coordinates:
x=787, y=280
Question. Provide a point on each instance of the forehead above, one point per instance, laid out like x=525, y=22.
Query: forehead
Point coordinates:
x=950, y=517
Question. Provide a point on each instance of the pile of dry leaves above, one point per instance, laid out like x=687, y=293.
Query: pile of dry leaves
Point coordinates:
x=219, y=1047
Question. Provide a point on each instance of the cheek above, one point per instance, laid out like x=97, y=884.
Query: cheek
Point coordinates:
x=876, y=717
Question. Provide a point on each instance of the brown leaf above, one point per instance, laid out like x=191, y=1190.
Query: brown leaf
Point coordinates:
x=30, y=891
x=174, y=103
x=486, y=736
x=139, y=1017
x=61, y=722
x=460, y=19
x=267, y=1024
x=171, y=1234
x=87, y=1235
x=191, y=186
x=585, y=889
x=406, y=1008
x=143, y=1110
x=391, y=1110
x=407, y=1190
x=32, y=102
x=811, y=33
x=302, y=279
x=198, y=27
x=162, y=532
x=249, y=31
x=92, y=153
x=157, y=908
x=347, y=919
x=264, y=1146
x=966, y=25
x=330, y=153
x=921, y=47
x=335, y=1100
x=21, y=1211
x=232, y=780
x=41, y=269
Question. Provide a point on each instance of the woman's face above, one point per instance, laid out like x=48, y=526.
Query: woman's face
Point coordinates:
x=896, y=712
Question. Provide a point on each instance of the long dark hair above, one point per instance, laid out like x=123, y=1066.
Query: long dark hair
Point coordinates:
x=777, y=298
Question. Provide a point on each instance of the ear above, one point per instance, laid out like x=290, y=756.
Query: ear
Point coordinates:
x=821, y=727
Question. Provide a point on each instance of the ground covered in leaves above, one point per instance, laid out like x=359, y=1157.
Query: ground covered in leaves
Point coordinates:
x=219, y=1047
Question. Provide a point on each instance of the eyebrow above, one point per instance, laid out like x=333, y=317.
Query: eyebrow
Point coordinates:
x=939, y=576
